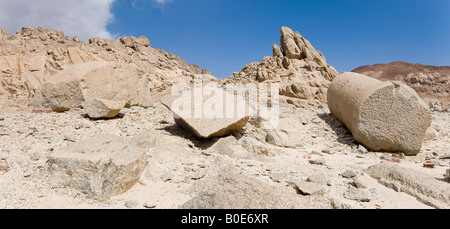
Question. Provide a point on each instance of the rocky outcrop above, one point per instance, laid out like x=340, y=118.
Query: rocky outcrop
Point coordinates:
x=31, y=56
x=100, y=167
x=302, y=72
x=387, y=116
x=101, y=108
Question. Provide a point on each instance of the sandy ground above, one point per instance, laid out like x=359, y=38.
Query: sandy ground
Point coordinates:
x=26, y=140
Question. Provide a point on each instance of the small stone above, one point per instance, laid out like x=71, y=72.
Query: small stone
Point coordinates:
x=150, y=204
x=358, y=183
x=361, y=149
x=429, y=164
x=361, y=195
x=69, y=138
x=314, y=152
x=199, y=174
x=309, y=188
x=131, y=204
x=339, y=204
x=317, y=162
x=42, y=110
x=327, y=151
x=447, y=175
x=279, y=176
x=319, y=178
x=386, y=156
x=348, y=174
x=396, y=160
x=4, y=167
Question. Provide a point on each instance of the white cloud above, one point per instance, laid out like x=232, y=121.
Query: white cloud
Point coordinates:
x=163, y=1
x=82, y=18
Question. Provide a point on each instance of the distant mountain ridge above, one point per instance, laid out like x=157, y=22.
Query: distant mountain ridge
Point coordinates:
x=390, y=70
x=430, y=82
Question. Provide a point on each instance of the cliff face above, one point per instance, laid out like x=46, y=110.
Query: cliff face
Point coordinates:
x=30, y=56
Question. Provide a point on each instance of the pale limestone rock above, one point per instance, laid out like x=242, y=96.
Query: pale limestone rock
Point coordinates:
x=361, y=195
x=94, y=80
x=309, y=188
x=204, y=126
x=101, y=108
x=100, y=167
x=230, y=146
x=430, y=134
x=301, y=71
x=277, y=52
x=288, y=44
x=426, y=188
x=60, y=97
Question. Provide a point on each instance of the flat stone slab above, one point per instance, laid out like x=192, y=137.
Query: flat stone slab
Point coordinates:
x=204, y=127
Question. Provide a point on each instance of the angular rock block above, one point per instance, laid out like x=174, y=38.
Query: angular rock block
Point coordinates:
x=203, y=126
x=102, y=108
x=100, y=167
x=72, y=86
x=383, y=116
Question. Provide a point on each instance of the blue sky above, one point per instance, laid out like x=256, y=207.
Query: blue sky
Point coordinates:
x=224, y=35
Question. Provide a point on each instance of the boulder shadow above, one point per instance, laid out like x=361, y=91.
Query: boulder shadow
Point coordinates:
x=176, y=130
x=344, y=135
x=200, y=143
x=118, y=116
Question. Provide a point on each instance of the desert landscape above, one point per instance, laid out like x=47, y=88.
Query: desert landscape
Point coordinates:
x=90, y=125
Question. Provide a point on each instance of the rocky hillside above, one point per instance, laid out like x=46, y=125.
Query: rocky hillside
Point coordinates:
x=431, y=82
x=303, y=73
x=31, y=56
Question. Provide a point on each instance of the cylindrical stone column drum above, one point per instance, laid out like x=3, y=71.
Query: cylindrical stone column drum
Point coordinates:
x=383, y=116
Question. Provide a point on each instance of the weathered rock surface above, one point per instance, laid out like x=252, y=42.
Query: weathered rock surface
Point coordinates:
x=426, y=188
x=387, y=116
x=100, y=167
x=102, y=108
